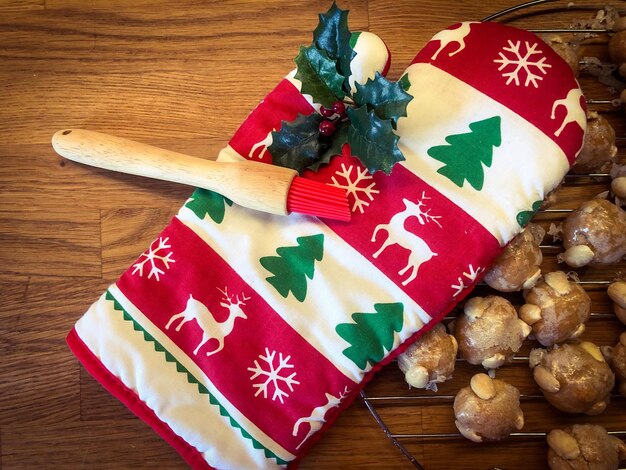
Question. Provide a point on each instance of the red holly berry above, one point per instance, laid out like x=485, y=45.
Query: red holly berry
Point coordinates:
x=327, y=128
x=326, y=112
x=339, y=108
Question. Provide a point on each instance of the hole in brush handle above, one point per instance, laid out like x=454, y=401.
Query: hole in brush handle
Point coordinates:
x=67, y=132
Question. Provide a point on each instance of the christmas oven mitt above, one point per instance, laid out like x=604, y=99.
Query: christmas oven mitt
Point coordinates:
x=239, y=336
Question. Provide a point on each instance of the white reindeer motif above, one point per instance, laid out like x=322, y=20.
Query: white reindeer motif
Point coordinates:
x=397, y=234
x=574, y=111
x=211, y=329
x=316, y=419
x=259, y=149
x=449, y=36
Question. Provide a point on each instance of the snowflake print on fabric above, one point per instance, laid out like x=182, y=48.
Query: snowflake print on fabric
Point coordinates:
x=155, y=256
x=356, y=186
x=521, y=63
x=274, y=375
x=471, y=276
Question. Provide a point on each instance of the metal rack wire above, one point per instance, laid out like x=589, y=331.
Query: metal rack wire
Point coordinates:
x=420, y=398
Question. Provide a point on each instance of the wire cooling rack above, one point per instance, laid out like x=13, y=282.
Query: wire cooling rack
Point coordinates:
x=390, y=397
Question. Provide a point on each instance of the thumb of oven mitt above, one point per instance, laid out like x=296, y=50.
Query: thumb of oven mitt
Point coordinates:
x=240, y=336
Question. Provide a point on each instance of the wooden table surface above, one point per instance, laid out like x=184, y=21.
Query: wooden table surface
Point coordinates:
x=182, y=75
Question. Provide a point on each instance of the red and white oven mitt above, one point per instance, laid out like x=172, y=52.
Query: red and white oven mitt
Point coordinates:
x=239, y=336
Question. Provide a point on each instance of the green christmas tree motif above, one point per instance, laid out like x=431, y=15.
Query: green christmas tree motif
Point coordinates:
x=371, y=334
x=523, y=217
x=465, y=154
x=293, y=265
x=203, y=202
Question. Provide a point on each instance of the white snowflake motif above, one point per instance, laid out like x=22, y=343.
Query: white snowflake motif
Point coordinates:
x=154, y=257
x=274, y=375
x=471, y=276
x=355, y=186
x=533, y=66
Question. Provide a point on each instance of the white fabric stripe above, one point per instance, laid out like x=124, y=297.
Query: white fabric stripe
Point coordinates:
x=371, y=56
x=125, y=353
x=245, y=236
x=525, y=166
x=190, y=365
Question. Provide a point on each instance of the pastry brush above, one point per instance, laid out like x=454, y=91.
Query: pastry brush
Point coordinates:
x=255, y=185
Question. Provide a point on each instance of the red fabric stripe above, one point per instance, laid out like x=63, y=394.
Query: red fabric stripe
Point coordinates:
x=283, y=103
x=129, y=398
x=475, y=66
x=200, y=271
x=459, y=242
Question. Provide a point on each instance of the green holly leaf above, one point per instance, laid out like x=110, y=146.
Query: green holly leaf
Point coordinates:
x=387, y=99
x=333, y=147
x=323, y=69
x=319, y=76
x=372, y=140
x=296, y=144
x=404, y=82
x=333, y=37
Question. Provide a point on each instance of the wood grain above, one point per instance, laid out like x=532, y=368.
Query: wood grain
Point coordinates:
x=183, y=75
x=126, y=233
x=41, y=241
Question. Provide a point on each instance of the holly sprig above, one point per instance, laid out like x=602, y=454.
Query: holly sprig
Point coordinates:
x=365, y=118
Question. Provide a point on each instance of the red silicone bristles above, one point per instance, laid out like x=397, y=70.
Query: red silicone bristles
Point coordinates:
x=318, y=199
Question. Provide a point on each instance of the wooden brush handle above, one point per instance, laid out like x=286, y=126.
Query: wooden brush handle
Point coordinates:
x=250, y=184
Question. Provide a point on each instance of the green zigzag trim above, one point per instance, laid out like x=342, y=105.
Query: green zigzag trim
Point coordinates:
x=191, y=379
